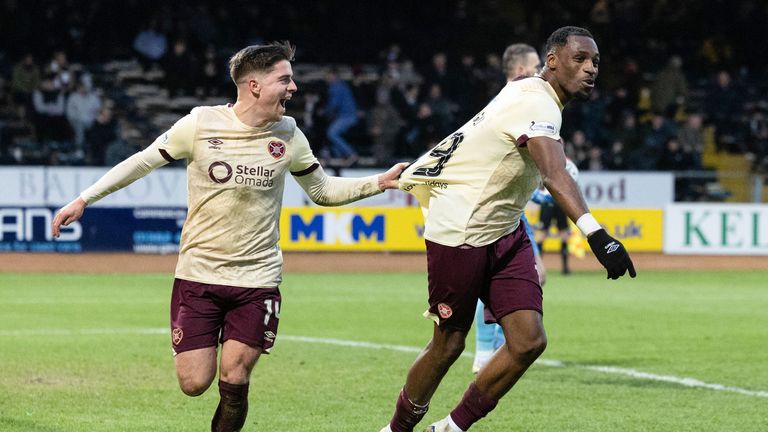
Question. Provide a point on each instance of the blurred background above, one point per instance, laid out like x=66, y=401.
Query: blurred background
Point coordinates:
x=680, y=95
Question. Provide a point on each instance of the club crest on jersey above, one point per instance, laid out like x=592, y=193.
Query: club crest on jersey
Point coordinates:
x=178, y=335
x=276, y=149
x=545, y=127
x=444, y=310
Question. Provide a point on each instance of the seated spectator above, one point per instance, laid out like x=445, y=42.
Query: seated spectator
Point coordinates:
x=122, y=147
x=181, y=70
x=49, y=120
x=151, y=44
x=384, y=125
x=616, y=159
x=103, y=132
x=83, y=107
x=25, y=78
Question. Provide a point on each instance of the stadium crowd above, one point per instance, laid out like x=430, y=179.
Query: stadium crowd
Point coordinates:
x=84, y=83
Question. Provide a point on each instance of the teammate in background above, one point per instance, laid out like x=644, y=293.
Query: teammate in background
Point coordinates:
x=552, y=211
x=230, y=266
x=518, y=61
x=473, y=187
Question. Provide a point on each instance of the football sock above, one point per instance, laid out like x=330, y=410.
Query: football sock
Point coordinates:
x=473, y=406
x=407, y=414
x=233, y=408
x=484, y=333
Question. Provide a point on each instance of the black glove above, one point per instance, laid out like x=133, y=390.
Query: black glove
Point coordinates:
x=611, y=254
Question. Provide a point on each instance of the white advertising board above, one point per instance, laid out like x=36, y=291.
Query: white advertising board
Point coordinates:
x=716, y=229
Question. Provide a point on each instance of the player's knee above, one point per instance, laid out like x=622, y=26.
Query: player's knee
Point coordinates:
x=194, y=386
x=530, y=349
x=452, y=349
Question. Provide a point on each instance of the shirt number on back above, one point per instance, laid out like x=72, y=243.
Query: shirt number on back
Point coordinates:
x=443, y=154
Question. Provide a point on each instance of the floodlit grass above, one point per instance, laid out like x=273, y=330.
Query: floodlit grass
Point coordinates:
x=90, y=353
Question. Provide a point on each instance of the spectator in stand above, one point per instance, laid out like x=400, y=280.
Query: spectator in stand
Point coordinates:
x=675, y=158
x=493, y=76
x=691, y=135
x=151, y=44
x=594, y=161
x=758, y=138
x=60, y=70
x=341, y=110
x=181, y=70
x=655, y=139
x=629, y=134
x=616, y=159
x=442, y=110
x=439, y=73
x=123, y=146
x=83, y=107
x=210, y=78
x=103, y=132
x=670, y=88
x=49, y=120
x=25, y=78
x=471, y=91
x=722, y=107
x=384, y=124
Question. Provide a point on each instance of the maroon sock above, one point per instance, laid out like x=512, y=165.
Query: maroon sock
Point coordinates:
x=233, y=408
x=473, y=406
x=407, y=414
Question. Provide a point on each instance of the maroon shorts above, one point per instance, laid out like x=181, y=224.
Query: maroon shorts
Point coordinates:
x=202, y=315
x=502, y=274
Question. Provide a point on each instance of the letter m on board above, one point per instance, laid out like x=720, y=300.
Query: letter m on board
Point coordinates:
x=307, y=230
x=360, y=228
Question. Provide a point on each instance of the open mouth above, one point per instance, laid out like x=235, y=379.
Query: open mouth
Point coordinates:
x=588, y=83
x=282, y=102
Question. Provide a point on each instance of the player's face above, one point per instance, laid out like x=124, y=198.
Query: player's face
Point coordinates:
x=576, y=66
x=530, y=64
x=276, y=87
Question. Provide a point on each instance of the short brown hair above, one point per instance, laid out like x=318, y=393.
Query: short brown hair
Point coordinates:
x=515, y=53
x=259, y=58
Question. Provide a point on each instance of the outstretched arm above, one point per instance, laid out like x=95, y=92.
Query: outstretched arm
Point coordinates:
x=550, y=159
x=123, y=174
x=326, y=190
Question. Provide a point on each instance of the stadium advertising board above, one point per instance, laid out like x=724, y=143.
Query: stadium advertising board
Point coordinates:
x=627, y=189
x=352, y=229
x=640, y=230
x=718, y=229
x=56, y=186
x=141, y=230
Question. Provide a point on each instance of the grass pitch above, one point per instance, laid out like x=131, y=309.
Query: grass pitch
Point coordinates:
x=92, y=353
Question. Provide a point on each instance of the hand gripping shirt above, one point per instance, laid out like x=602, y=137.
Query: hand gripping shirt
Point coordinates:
x=473, y=186
x=235, y=181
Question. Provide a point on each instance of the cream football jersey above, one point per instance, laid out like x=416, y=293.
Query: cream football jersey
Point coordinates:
x=473, y=186
x=235, y=181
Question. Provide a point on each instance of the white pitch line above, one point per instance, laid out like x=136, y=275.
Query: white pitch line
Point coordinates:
x=632, y=373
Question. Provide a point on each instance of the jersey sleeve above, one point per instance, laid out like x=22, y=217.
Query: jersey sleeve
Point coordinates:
x=178, y=141
x=302, y=157
x=534, y=114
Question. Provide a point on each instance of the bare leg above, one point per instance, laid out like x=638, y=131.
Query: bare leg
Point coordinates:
x=237, y=362
x=424, y=377
x=195, y=370
x=525, y=341
x=433, y=363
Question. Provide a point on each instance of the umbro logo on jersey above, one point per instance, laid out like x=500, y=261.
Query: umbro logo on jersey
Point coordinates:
x=611, y=247
x=215, y=143
x=545, y=127
x=276, y=149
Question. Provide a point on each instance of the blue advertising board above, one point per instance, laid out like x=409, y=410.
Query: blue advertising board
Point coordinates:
x=142, y=230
